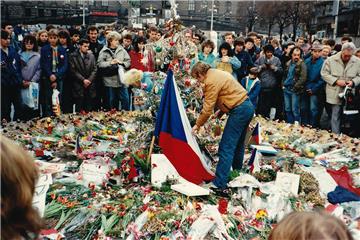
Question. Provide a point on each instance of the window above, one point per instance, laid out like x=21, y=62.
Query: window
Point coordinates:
x=41, y=13
x=67, y=1
x=91, y=2
x=28, y=12
x=228, y=6
x=191, y=5
x=53, y=13
x=105, y=2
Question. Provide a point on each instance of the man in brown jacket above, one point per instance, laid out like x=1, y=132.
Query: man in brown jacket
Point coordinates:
x=83, y=67
x=223, y=91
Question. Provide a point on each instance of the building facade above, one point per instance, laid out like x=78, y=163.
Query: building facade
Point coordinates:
x=348, y=18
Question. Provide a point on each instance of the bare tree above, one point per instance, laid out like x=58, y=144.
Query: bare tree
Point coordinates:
x=282, y=17
x=267, y=12
x=299, y=13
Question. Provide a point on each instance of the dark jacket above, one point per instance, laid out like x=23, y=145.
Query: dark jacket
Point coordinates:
x=82, y=68
x=10, y=68
x=246, y=63
x=269, y=78
x=95, y=48
x=46, y=61
x=314, y=80
x=299, y=76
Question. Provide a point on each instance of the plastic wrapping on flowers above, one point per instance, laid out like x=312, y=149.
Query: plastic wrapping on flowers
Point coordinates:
x=104, y=191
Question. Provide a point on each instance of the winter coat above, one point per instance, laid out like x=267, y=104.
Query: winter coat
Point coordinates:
x=246, y=63
x=300, y=76
x=10, y=68
x=314, y=81
x=82, y=68
x=30, y=70
x=210, y=59
x=95, y=48
x=46, y=61
x=333, y=70
x=254, y=89
x=220, y=89
x=104, y=63
x=269, y=78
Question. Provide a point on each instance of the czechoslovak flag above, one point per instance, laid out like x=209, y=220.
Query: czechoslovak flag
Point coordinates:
x=256, y=134
x=175, y=138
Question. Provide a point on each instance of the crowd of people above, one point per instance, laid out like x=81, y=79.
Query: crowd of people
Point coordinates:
x=294, y=82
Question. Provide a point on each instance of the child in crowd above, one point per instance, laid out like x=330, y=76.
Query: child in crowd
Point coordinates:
x=252, y=85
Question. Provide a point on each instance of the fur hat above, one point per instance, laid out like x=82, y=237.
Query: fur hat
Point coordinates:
x=133, y=77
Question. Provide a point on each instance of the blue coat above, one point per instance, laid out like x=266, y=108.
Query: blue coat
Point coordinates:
x=210, y=59
x=246, y=63
x=46, y=60
x=253, y=90
x=314, y=81
x=10, y=68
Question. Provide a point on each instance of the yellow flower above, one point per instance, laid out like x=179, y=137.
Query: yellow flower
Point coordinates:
x=150, y=215
x=260, y=214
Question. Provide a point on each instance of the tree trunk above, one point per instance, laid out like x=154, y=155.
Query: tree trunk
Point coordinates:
x=281, y=30
x=270, y=27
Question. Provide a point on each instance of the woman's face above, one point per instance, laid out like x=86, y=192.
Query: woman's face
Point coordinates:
x=141, y=46
x=62, y=41
x=29, y=46
x=224, y=52
x=207, y=50
x=43, y=37
x=114, y=43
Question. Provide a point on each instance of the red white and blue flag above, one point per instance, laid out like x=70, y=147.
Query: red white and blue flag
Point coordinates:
x=175, y=138
x=256, y=135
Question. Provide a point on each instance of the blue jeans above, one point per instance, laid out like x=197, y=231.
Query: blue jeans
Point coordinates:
x=115, y=94
x=292, y=106
x=231, y=148
x=310, y=110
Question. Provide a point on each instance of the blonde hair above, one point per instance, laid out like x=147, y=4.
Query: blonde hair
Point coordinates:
x=133, y=77
x=18, y=179
x=113, y=36
x=310, y=226
x=39, y=34
x=200, y=68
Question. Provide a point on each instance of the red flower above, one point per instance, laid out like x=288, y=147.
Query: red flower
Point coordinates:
x=172, y=43
x=144, y=207
x=93, y=194
x=223, y=204
x=117, y=171
x=133, y=173
x=53, y=196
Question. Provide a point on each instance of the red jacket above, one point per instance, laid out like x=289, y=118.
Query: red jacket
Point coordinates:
x=136, y=63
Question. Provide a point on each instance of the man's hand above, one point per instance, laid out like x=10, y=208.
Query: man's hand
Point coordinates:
x=195, y=129
x=86, y=83
x=341, y=83
x=349, y=83
x=309, y=92
x=26, y=84
x=272, y=67
x=52, y=77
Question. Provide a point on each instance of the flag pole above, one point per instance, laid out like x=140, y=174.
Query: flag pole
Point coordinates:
x=151, y=148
